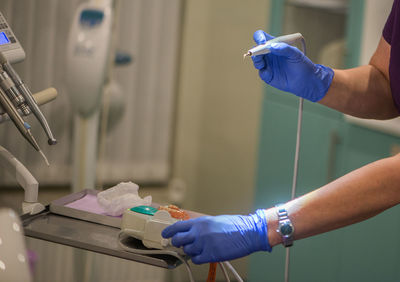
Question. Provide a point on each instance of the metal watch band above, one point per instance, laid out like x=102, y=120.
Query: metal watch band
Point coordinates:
x=285, y=226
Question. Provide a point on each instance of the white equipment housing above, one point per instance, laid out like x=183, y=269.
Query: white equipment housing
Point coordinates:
x=148, y=228
x=87, y=56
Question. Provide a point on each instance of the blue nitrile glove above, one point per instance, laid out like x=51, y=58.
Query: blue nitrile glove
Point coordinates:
x=220, y=238
x=288, y=69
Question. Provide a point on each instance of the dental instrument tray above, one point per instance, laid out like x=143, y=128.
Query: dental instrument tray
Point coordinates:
x=83, y=205
x=63, y=222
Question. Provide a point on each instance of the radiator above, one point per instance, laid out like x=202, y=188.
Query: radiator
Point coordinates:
x=138, y=144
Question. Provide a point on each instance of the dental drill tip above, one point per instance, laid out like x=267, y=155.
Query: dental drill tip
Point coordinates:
x=44, y=157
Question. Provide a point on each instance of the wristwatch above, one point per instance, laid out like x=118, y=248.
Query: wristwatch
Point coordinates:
x=285, y=226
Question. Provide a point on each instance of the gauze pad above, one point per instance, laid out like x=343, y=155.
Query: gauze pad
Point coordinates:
x=117, y=199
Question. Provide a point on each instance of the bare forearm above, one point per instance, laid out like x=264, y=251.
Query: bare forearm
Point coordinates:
x=362, y=92
x=354, y=197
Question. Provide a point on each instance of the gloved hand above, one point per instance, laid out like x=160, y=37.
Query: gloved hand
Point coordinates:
x=220, y=238
x=288, y=69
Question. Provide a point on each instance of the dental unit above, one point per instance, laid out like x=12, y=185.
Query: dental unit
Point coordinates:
x=16, y=101
x=15, y=97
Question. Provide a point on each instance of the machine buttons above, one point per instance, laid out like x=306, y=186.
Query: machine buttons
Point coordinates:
x=144, y=210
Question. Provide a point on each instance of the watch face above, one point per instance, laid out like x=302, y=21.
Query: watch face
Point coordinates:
x=286, y=229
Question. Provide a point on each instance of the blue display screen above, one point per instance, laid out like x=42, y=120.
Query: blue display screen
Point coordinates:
x=3, y=38
x=91, y=17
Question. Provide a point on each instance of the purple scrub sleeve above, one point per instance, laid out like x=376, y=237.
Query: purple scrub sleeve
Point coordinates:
x=391, y=33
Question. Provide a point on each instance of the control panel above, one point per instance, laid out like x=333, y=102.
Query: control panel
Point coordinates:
x=9, y=44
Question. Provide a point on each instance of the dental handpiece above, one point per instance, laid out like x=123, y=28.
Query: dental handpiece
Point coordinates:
x=41, y=98
x=264, y=48
x=27, y=94
x=12, y=92
x=21, y=125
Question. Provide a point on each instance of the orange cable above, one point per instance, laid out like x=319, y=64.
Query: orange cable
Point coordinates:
x=212, y=272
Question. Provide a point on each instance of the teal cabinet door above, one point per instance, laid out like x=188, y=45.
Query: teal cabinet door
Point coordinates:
x=367, y=251
x=317, y=164
x=330, y=148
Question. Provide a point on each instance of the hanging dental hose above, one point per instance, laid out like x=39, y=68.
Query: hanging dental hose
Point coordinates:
x=296, y=158
x=264, y=49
